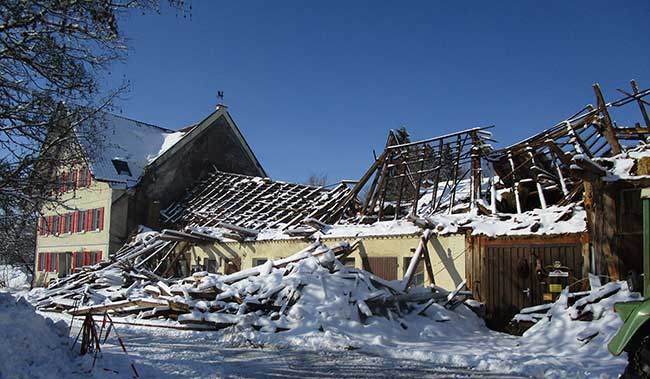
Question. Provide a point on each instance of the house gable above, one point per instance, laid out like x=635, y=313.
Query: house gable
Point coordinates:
x=216, y=142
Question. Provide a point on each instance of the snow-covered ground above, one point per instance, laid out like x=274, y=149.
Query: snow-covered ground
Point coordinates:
x=33, y=346
x=169, y=353
x=436, y=352
x=323, y=335
x=40, y=349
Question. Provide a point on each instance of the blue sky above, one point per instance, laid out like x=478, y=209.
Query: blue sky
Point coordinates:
x=315, y=86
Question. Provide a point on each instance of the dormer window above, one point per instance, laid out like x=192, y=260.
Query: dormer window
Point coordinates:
x=121, y=166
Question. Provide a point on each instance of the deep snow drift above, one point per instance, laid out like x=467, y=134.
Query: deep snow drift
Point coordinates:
x=33, y=346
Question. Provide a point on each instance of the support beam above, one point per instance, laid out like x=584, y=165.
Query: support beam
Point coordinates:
x=415, y=259
x=608, y=130
x=635, y=88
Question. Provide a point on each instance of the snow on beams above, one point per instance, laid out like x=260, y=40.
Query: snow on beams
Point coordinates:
x=545, y=169
x=244, y=205
x=405, y=171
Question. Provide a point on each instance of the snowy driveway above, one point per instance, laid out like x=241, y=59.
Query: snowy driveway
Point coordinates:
x=168, y=353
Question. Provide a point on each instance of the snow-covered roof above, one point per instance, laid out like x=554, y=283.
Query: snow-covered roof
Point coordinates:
x=108, y=138
x=252, y=202
x=554, y=220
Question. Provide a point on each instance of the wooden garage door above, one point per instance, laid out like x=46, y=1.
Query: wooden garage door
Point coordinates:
x=508, y=274
x=383, y=267
x=510, y=280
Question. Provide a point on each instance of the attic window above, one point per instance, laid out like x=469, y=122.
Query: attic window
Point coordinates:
x=121, y=167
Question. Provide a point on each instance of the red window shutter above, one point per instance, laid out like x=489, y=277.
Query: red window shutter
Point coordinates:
x=73, y=222
x=88, y=177
x=47, y=262
x=75, y=177
x=101, y=218
x=98, y=258
x=39, y=267
x=50, y=224
x=89, y=219
x=86, y=258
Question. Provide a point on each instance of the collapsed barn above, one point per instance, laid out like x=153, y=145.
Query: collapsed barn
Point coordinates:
x=448, y=211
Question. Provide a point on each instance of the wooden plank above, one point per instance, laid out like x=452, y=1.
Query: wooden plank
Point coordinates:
x=635, y=89
x=428, y=265
x=608, y=127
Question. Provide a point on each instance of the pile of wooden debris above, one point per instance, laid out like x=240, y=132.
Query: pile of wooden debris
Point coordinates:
x=586, y=306
x=310, y=286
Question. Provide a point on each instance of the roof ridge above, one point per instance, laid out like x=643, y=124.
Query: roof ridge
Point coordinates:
x=142, y=122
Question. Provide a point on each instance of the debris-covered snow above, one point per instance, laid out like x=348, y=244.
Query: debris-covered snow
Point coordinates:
x=552, y=220
x=623, y=166
x=33, y=346
x=576, y=335
x=309, y=291
x=310, y=301
x=380, y=228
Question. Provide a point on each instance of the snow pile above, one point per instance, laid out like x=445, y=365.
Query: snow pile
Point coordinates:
x=552, y=220
x=624, y=166
x=575, y=336
x=14, y=277
x=310, y=291
x=380, y=228
x=33, y=346
x=328, y=307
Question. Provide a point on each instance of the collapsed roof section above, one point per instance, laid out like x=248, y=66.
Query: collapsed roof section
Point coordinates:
x=246, y=205
x=457, y=174
x=535, y=173
x=421, y=177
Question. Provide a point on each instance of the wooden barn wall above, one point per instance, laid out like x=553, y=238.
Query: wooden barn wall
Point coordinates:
x=502, y=272
x=615, y=220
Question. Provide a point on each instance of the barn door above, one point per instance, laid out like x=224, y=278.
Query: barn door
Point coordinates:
x=510, y=278
x=509, y=281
